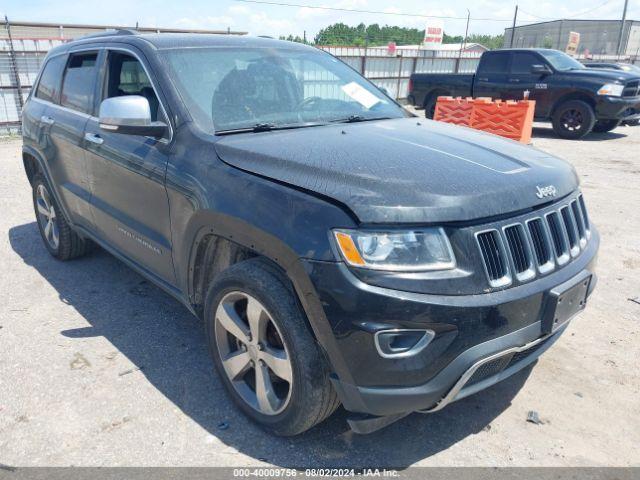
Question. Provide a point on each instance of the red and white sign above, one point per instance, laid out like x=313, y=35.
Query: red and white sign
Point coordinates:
x=572, y=45
x=433, y=34
x=391, y=48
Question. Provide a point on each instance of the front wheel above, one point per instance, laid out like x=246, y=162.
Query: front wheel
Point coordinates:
x=573, y=119
x=264, y=352
x=603, y=126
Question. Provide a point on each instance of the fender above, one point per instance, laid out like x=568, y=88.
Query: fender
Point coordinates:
x=44, y=169
x=267, y=245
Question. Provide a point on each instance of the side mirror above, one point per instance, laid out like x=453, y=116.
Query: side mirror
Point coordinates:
x=129, y=114
x=540, y=69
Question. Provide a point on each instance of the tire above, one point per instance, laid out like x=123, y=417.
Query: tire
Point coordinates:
x=632, y=123
x=430, y=107
x=603, y=126
x=59, y=238
x=573, y=119
x=295, y=406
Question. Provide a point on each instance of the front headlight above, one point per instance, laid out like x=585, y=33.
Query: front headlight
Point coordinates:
x=611, y=89
x=411, y=250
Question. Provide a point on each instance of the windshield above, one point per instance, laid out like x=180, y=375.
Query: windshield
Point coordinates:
x=561, y=61
x=239, y=88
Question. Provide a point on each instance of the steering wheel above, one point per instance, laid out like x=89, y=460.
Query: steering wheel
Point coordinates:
x=308, y=102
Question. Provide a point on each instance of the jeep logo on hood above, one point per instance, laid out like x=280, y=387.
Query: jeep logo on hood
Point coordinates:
x=548, y=191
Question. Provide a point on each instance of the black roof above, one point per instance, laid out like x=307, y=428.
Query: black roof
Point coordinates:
x=164, y=41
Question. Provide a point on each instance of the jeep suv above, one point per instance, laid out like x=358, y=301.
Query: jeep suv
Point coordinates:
x=338, y=249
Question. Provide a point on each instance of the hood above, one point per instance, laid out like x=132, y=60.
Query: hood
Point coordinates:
x=603, y=74
x=404, y=170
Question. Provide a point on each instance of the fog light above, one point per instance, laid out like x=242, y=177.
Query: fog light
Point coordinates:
x=398, y=343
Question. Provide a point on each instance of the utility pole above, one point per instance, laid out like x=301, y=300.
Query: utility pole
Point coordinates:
x=466, y=32
x=624, y=17
x=513, y=27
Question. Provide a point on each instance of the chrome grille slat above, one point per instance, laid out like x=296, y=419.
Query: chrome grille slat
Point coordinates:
x=534, y=246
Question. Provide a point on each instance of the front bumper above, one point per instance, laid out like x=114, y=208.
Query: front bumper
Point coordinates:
x=618, y=108
x=480, y=339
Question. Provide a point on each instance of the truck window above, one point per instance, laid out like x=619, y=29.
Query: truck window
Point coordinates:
x=521, y=62
x=126, y=76
x=79, y=82
x=494, y=62
x=49, y=85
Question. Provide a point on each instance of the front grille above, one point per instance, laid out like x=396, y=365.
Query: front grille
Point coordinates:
x=540, y=242
x=631, y=89
x=535, y=245
x=493, y=256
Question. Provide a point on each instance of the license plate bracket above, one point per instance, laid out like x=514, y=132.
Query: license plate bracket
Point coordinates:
x=564, y=302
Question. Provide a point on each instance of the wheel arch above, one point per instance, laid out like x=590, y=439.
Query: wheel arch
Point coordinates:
x=238, y=241
x=574, y=96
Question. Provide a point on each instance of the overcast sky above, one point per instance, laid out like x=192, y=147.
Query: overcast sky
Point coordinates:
x=487, y=16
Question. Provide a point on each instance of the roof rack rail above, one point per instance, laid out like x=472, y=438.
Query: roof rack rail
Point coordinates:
x=113, y=33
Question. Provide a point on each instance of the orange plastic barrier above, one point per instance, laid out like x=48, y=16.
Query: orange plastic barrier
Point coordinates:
x=511, y=119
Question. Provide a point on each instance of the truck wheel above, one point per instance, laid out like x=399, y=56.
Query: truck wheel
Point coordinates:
x=602, y=126
x=632, y=123
x=430, y=107
x=59, y=238
x=573, y=119
x=264, y=352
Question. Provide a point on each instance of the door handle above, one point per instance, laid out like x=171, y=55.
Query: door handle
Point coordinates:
x=93, y=138
x=483, y=79
x=514, y=80
x=47, y=120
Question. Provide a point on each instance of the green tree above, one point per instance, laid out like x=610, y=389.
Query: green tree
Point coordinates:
x=375, y=35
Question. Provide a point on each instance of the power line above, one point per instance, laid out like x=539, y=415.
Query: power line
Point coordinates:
x=570, y=16
x=377, y=12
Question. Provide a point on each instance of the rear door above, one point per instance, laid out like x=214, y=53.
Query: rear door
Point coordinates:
x=129, y=200
x=66, y=120
x=521, y=79
x=491, y=76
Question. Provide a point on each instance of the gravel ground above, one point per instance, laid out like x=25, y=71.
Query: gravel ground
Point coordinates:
x=99, y=367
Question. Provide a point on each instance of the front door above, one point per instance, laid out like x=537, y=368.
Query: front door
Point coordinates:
x=521, y=79
x=127, y=174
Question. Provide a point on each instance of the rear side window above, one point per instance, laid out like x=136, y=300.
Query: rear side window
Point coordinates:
x=49, y=85
x=521, y=62
x=494, y=63
x=79, y=82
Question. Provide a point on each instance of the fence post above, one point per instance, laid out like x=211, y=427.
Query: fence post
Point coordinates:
x=399, y=77
x=14, y=67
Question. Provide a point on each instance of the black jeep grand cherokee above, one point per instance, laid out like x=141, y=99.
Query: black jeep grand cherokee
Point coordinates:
x=338, y=250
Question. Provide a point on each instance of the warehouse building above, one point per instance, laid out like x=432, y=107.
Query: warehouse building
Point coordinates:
x=597, y=37
x=23, y=46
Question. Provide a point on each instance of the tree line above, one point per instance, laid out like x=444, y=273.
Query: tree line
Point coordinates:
x=374, y=35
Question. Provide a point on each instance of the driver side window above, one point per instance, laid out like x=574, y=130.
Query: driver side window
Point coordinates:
x=126, y=76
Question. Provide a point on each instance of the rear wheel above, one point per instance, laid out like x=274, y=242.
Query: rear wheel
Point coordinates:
x=430, y=107
x=261, y=346
x=602, y=126
x=58, y=237
x=632, y=123
x=573, y=119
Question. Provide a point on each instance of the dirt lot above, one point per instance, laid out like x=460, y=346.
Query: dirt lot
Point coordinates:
x=98, y=367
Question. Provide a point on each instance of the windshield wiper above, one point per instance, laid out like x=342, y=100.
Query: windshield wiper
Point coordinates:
x=267, y=127
x=358, y=118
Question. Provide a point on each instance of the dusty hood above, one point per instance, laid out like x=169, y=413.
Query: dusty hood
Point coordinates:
x=404, y=170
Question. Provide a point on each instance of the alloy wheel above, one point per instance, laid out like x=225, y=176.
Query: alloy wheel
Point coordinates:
x=572, y=120
x=253, y=354
x=47, y=217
